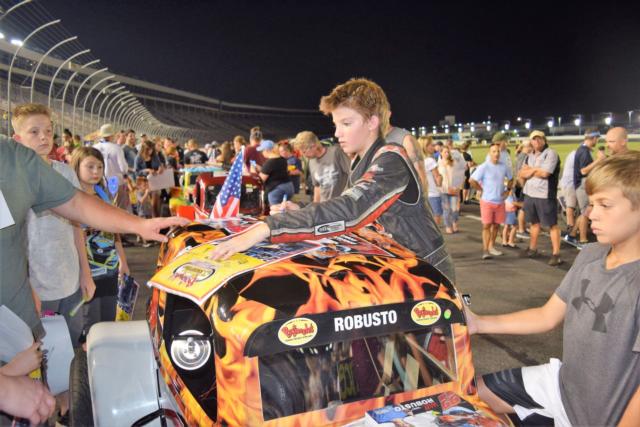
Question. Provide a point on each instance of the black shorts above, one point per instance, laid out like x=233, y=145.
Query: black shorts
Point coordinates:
x=509, y=386
x=541, y=211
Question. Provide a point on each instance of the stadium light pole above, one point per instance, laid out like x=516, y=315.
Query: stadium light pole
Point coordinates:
x=115, y=94
x=13, y=60
x=118, y=97
x=112, y=106
x=104, y=90
x=55, y=75
x=86, y=98
x=66, y=88
x=35, y=71
x=75, y=98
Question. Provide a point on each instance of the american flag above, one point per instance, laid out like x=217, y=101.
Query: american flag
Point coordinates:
x=228, y=201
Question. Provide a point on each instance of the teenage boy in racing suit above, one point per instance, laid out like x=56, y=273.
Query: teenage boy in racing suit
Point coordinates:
x=383, y=186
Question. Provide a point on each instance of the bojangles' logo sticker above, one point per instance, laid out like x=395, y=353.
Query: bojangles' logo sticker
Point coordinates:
x=192, y=272
x=425, y=313
x=297, y=331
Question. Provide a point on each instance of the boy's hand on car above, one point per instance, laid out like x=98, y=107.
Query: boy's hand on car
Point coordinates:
x=149, y=229
x=241, y=242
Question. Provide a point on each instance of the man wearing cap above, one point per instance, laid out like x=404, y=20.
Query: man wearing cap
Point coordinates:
x=540, y=173
x=328, y=166
x=582, y=165
x=115, y=165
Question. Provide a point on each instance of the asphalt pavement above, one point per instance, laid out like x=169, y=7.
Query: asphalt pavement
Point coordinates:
x=500, y=285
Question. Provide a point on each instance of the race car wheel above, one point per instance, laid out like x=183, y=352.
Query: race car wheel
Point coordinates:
x=282, y=390
x=80, y=412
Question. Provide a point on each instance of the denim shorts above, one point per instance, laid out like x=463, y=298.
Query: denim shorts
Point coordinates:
x=436, y=205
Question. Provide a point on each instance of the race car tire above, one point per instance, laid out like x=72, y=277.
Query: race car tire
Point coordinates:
x=80, y=412
x=283, y=392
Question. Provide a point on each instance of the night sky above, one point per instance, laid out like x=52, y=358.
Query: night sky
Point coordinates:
x=471, y=60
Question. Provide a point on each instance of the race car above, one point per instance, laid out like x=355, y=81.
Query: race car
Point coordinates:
x=202, y=196
x=295, y=334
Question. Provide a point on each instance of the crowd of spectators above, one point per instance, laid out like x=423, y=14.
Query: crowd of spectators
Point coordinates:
x=436, y=179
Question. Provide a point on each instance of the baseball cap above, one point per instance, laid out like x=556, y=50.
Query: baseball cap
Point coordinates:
x=537, y=134
x=265, y=144
x=591, y=133
x=500, y=136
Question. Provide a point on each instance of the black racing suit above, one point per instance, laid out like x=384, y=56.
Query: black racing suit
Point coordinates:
x=383, y=186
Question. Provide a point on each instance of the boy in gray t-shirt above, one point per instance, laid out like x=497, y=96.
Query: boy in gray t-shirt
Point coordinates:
x=598, y=380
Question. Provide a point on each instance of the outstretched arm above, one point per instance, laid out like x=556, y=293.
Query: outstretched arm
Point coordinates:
x=531, y=321
x=92, y=211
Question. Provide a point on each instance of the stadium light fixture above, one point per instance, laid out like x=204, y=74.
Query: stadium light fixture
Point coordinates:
x=488, y=128
x=608, y=120
x=550, y=124
x=472, y=128
x=527, y=124
x=506, y=126
x=577, y=121
x=17, y=42
x=1, y=35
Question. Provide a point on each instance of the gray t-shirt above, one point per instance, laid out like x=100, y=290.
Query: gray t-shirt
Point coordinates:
x=54, y=266
x=397, y=136
x=330, y=172
x=26, y=182
x=539, y=187
x=601, y=338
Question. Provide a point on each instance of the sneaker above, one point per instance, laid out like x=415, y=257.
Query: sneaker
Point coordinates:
x=147, y=245
x=494, y=252
x=529, y=253
x=570, y=239
x=486, y=255
x=555, y=260
x=523, y=234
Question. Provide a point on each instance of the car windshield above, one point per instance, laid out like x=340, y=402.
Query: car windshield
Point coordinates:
x=312, y=378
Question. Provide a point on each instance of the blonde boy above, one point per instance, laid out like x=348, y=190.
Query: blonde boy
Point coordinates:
x=58, y=268
x=598, y=380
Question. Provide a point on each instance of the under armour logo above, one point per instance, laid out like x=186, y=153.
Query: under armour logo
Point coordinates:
x=605, y=306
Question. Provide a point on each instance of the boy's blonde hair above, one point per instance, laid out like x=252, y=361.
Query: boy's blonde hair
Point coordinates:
x=362, y=95
x=21, y=112
x=618, y=171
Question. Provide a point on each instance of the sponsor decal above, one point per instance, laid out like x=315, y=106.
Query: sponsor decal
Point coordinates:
x=447, y=314
x=366, y=320
x=297, y=331
x=425, y=313
x=193, y=272
x=329, y=228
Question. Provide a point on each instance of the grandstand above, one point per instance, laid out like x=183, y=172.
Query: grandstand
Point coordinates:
x=43, y=62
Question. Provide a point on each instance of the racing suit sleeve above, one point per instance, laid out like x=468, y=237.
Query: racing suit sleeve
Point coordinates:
x=378, y=188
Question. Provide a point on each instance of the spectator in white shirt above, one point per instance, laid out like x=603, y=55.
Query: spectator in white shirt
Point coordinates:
x=115, y=166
